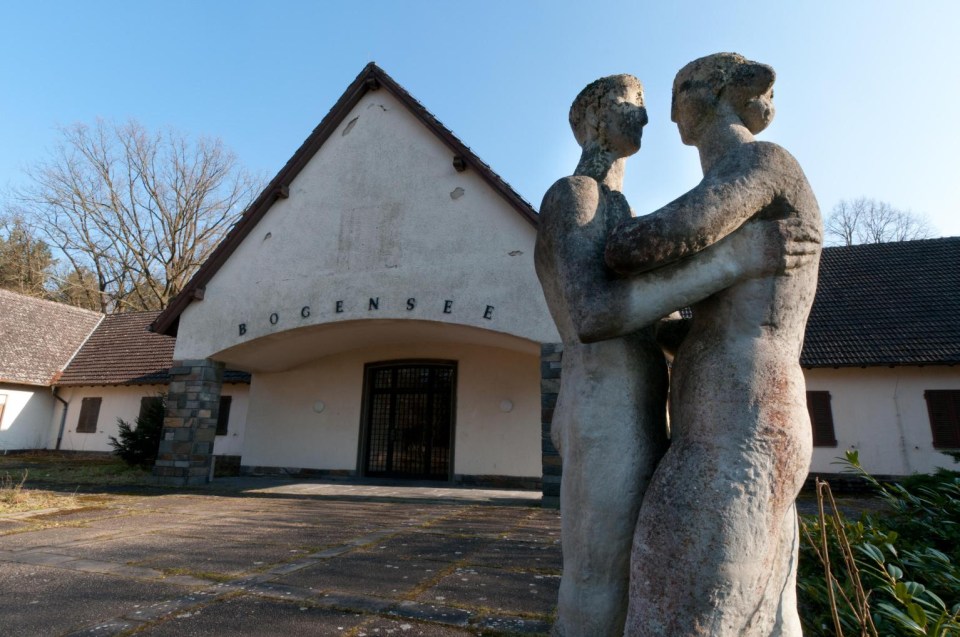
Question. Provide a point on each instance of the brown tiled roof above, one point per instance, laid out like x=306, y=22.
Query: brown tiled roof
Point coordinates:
x=886, y=304
x=37, y=337
x=371, y=78
x=123, y=351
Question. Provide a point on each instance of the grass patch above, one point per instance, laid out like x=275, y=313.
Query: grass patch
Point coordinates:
x=14, y=498
x=75, y=469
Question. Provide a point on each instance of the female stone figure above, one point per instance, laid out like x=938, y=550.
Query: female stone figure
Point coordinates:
x=609, y=422
x=716, y=541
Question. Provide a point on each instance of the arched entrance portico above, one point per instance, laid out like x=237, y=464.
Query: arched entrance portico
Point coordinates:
x=395, y=399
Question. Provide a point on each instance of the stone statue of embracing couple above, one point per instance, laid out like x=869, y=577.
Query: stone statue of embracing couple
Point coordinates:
x=690, y=531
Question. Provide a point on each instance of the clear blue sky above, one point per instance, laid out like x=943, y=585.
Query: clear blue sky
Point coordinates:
x=866, y=93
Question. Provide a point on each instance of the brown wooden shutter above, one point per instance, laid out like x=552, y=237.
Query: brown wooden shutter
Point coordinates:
x=223, y=417
x=943, y=407
x=89, y=412
x=821, y=418
x=146, y=403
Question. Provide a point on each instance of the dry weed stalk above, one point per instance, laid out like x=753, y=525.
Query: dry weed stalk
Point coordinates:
x=860, y=605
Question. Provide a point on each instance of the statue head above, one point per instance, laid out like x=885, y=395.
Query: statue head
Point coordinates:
x=609, y=113
x=716, y=82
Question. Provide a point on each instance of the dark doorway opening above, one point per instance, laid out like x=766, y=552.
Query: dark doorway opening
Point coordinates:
x=408, y=414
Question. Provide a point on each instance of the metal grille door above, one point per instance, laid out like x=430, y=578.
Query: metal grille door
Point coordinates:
x=409, y=419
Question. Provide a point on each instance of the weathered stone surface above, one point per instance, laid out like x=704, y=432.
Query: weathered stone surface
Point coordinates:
x=608, y=422
x=193, y=403
x=716, y=541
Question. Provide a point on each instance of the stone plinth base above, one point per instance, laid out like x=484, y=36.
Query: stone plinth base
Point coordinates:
x=190, y=425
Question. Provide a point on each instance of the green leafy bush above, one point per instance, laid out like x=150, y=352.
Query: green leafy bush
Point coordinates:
x=138, y=444
x=891, y=573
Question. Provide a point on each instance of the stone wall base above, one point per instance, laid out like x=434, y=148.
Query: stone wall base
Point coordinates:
x=551, y=356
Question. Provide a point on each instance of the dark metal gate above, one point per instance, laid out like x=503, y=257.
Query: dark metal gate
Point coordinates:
x=409, y=419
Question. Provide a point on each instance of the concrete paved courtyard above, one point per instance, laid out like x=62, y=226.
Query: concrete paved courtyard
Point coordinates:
x=268, y=557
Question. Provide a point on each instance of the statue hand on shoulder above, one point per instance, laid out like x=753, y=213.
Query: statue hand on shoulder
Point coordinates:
x=768, y=248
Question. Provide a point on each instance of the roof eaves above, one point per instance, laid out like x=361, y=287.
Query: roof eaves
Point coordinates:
x=20, y=381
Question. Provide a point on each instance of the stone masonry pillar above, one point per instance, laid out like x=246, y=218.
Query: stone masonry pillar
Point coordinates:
x=551, y=355
x=190, y=425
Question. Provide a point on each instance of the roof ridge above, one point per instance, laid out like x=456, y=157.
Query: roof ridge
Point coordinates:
x=881, y=244
x=37, y=299
x=59, y=373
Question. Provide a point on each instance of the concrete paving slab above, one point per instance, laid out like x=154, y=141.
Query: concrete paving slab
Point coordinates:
x=41, y=600
x=112, y=568
x=385, y=627
x=136, y=547
x=428, y=546
x=435, y=612
x=528, y=556
x=542, y=525
x=376, y=575
x=502, y=591
x=40, y=558
x=249, y=614
x=369, y=559
x=137, y=522
x=34, y=539
x=290, y=535
x=219, y=559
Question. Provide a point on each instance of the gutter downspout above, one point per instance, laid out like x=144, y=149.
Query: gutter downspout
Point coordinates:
x=63, y=417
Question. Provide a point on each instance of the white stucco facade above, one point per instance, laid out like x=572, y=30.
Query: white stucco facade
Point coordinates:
x=123, y=402
x=26, y=410
x=285, y=428
x=378, y=213
x=382, y=252
x=882, y=413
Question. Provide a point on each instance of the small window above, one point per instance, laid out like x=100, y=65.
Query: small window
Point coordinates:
x=223, y=416
x=3, y=403
x=943, y=407
x=149, y=403
x=89, y=412
x=821, y=418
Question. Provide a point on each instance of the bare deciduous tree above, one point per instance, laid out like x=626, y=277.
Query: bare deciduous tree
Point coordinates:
x=866, y=220
x=137, y=212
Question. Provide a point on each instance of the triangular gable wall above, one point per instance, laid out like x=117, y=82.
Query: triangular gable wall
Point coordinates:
x=371, y=78
x=377, y=223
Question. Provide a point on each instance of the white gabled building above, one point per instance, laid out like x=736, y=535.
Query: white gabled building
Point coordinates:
x=37, y=340
x=379, y=308
x=382, y=295
x=881, y=356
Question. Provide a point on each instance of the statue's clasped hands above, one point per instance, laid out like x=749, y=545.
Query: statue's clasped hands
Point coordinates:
x=771, y=247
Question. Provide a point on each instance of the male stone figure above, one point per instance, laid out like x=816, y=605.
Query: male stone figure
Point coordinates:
x=609, y=422
x=716, y=543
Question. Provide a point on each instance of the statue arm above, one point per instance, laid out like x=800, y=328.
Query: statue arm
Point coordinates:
x=642, y=300
x=699, y=218
x=569, y=255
